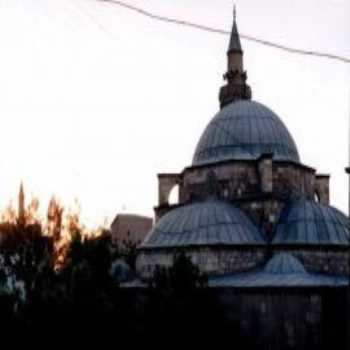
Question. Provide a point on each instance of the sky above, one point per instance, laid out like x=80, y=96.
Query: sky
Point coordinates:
x=95, y=100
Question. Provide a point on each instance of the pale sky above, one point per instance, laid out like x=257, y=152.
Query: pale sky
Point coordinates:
x=96, y=100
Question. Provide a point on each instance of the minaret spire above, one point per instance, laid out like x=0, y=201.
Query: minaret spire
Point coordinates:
x=236, y=87
x=21, y=205
x=235, y=42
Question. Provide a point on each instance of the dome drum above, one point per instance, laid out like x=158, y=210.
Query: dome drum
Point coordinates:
x=324, y=260
x=211, y=260
x=238, y=179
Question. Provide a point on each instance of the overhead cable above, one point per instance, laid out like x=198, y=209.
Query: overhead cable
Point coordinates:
x=185, y=23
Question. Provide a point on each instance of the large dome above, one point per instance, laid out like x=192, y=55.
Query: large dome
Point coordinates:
x=245, y=130
x=206, y=223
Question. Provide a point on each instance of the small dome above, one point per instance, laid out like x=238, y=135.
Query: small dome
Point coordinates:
x=308, y=222
x=121, y=271
x=207, y=223
x=284, y=264
x=245, y=130
x=283, y=270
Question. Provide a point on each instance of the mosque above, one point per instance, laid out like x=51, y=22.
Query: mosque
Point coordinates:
x=255, y=219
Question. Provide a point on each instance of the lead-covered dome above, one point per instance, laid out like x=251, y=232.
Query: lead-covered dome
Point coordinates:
x=203, y=224
x=307, y=222
x=245, y=130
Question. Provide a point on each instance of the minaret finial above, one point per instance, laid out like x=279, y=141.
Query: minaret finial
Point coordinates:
x=234, y=12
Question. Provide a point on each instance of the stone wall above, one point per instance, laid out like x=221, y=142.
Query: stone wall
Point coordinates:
x=278, y=319
x=271, y=318
x=322, y=188
x=166, y=182
x=266, y=173
x=264, y=213
x=129, y=228
x=222, y=260
x=290, y=178
x=324, y=260
x=235, y=180
x=239, y=179
x=210, y=260
x=244, y=180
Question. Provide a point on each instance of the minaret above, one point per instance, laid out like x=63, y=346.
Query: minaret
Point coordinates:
x=236, y=87
x=21, y=205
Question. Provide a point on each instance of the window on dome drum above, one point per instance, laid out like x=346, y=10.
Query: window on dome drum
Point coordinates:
x=174, y=195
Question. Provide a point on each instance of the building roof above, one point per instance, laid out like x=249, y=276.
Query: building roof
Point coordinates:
x=307, y=222
x=283, y=270
x=284, y=264
x=130, y=228
x=206, y=223
x=245, y=130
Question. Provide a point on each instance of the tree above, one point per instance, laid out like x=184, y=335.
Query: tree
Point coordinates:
x=180, y=304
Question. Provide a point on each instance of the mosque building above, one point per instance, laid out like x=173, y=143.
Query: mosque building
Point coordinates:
x=253, y=217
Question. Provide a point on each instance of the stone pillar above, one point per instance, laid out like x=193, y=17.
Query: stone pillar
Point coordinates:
x=322, y=188
x=265, y=172
x=166, y=182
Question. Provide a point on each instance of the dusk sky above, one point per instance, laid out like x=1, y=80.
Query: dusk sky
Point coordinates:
x=95, y=100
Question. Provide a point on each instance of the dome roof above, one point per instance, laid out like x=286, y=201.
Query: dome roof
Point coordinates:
x=207, y=223
x=284, y=264
x=245, y=130
x=308, y=222
x=282, y=270
x=121, y=271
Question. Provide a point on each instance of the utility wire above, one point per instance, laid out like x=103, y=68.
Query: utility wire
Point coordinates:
x=225, y=32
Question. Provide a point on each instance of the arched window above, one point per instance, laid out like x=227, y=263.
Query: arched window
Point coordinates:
x=316, y=197
x=174, y=195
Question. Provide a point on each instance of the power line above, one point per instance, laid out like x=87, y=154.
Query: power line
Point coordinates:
x=176, y=21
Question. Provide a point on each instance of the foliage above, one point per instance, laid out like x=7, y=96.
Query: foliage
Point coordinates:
x=180, y=304
x=82, y=297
